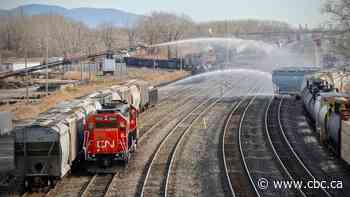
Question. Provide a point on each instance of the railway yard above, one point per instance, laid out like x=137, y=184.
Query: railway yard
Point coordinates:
x=141, y=99
x=216, y=134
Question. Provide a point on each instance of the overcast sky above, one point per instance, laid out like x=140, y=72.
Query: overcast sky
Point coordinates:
x=291, y=11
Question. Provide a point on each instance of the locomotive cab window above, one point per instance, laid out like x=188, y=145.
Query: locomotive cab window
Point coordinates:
x=113, y=124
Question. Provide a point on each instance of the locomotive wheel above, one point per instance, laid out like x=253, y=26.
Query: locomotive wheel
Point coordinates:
x=50, y=183
x=133, y=147
x=27, y=186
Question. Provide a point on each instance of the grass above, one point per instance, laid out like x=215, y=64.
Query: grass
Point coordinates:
x=25, y=111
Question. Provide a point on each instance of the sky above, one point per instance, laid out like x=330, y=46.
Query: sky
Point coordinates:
x=292, y=11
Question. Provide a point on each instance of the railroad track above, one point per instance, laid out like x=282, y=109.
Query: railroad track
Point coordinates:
x=157, y=115
x=84, y=182
x=98, y=185
x=197, y=166
x=164, y=119
x=178, y=92
x=160, y=170
x=135, y=178
x=183, y=173
x=287, y=157
x=85, y=186
x=237, y=183
x=156, y=180
x=320, y=160
x=153, y=185
x=255, y=151
x=186, y=109
x=35, y=193
x=72, y=185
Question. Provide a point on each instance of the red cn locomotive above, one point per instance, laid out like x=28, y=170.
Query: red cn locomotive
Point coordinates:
x=111, y=133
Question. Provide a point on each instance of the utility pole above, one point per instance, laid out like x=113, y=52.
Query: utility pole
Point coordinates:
x=26, y=67
x=90, y=63
x=81, y=71
x=181, y=62
x=154, y=60
x=47, y=65
x=227, y=45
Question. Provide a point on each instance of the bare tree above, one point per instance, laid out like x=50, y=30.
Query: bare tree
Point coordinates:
x=106, y=34
x=338, y=12
x=163, y=27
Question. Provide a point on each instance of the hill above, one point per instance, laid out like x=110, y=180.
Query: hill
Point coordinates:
x=90, y=16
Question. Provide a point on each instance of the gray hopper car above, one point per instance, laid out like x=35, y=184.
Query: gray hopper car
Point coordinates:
x=47, y=146
x=5, y=123
x=7, y=159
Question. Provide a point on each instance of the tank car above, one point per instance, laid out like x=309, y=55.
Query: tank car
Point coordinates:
x=311, y=92
x=328, y=109
x=336, y=109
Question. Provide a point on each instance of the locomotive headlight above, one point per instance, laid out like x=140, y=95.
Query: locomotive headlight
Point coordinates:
x=99, y=118
x=112, y=118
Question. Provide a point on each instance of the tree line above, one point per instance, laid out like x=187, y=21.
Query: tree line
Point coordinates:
x=36, y=35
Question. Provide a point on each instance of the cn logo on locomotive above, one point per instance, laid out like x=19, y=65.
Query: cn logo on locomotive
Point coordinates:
x=105, y=144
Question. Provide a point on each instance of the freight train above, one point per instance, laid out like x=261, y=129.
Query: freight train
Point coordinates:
x=174, y=63
x=330, y=111
x=99, y=127
x=111, y=133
